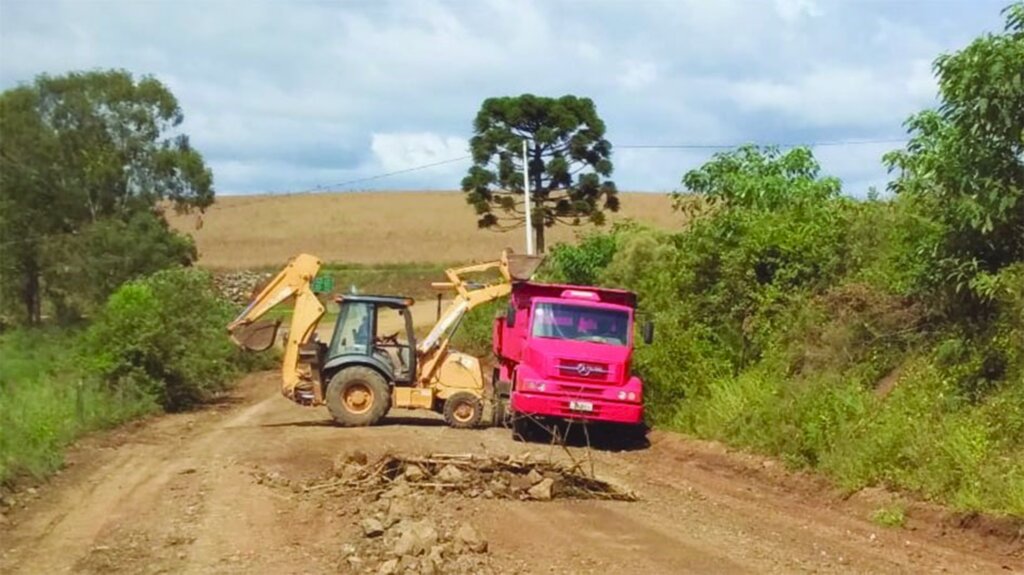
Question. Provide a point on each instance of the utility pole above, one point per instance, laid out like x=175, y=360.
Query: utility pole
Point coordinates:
x=526, y=193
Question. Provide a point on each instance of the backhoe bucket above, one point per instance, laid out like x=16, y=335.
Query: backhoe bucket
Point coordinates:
x=522, y=267
x=257, y=336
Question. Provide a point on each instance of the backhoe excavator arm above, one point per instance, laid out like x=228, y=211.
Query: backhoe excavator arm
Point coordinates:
x=294, y=282
x=434, y=347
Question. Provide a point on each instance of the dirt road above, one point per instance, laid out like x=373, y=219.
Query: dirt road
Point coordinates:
x=186, y=493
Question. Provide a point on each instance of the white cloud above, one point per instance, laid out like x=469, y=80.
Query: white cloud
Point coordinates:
x=281, y=95
x=402, y=151
x=793, y=10
x=637, y=75
x=840, y=96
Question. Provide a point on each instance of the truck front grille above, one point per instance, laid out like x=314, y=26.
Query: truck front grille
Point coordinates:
x=585, y=371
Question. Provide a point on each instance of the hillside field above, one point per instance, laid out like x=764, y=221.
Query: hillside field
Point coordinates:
x=371, y=228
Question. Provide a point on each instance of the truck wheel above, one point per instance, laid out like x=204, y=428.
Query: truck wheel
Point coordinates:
x=358, y=396
x=463, y=410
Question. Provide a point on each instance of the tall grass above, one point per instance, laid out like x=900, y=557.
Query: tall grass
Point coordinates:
x=46, y=401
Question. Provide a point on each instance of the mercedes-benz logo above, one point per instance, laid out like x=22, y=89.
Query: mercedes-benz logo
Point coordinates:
x=583, y=369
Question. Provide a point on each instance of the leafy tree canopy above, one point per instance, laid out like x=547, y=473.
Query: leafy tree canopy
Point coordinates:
x=81, y=147
x=964, y=164
x=569, y=163
x=761, y=178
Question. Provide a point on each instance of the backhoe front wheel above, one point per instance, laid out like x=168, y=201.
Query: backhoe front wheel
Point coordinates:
x=358, y=396
x=463, y=410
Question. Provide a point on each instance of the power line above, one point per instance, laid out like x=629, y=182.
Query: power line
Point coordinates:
x=695, y=146
x=266, y=196
x=734, y=145
x=328, y=188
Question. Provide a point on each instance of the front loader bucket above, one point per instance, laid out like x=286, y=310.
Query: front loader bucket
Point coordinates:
x=522, y=267
x=257, y=336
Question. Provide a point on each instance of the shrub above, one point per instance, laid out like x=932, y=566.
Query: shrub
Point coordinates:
x=164, y=336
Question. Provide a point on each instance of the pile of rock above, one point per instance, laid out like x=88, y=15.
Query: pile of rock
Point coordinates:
x=472, y=476
x=402, y=533
x=239, y=287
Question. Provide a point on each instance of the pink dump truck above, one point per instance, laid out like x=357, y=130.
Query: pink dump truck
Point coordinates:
x=564, y=354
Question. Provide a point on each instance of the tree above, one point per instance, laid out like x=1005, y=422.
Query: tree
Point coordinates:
x=759, y=178
x=963, y=167
x=569, y=163
x=81, y=270
x=79, y=148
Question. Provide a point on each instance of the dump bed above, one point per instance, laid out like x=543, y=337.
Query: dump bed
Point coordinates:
x=523, y=292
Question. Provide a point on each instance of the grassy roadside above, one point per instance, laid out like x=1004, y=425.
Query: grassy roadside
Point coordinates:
x=46, y=401
x=157, y=344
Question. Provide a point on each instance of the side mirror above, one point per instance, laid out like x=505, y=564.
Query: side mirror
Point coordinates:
x=648, y=332
x=510, y=316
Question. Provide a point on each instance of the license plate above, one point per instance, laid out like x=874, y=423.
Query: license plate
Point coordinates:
x=581, y=406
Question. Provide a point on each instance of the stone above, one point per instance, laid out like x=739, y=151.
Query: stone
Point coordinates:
x=399, y=509
x=372, y=527
x=519, y=483
x=416, y=538
x=450, y=474
x=427, y=566
x=497, y=487
x=343, y=468
x=358, y=457
x=348, y=550
x=543, y=490
x=468, y=537
x=407, y=563
x=398, y=491
x=534, y=477
x=389, y=567
x=354, y=562
x=414, y=473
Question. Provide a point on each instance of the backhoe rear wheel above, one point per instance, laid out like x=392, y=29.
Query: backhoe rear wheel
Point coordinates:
x=358, y=396
x=463, y=410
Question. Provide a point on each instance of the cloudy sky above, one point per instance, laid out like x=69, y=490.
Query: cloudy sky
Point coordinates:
x=292, y=96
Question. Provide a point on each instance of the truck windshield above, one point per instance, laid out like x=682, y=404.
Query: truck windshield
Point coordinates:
x=580, y=323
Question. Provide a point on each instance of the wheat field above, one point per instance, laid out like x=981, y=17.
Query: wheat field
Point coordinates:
x=241, y=232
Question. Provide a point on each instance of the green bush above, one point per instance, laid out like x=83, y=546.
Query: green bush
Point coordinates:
x=581, y=263
x=164, y=336
x=796, y=325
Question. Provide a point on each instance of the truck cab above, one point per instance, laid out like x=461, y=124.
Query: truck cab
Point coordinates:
x=565, y=352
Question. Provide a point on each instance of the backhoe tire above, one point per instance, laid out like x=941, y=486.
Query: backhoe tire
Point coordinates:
x=358, y=396
x=463, y=410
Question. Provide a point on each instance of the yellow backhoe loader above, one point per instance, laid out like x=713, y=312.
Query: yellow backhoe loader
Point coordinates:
x=362, y=373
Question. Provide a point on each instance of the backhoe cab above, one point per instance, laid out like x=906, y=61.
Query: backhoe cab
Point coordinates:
x=365, y=369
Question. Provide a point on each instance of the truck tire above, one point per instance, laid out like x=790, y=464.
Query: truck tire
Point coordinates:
x=463, y=410
x=358, y=396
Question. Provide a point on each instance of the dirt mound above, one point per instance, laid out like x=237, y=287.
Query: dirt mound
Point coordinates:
x=521, y=478
x=408, y=513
